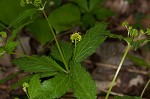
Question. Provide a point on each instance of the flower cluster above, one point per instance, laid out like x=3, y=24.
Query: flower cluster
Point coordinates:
x=36, y=3
x=134, y=36
x=75, y=37
x=25, y=86
x=134, y=32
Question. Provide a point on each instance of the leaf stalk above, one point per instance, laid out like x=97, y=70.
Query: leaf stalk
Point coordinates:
x=75, y=44
x=57, y=44
x=145, y=87
x=117, y=72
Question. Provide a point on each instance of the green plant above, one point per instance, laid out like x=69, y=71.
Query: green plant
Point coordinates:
x=131, y=42
x=63, y=66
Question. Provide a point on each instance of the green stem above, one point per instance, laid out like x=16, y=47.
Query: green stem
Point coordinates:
x=58, y=46
x=145, y=87
x=75, y=44
x=27, y=95
x=117, y=72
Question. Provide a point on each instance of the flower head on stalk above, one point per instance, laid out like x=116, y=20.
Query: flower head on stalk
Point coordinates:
x=75, y=37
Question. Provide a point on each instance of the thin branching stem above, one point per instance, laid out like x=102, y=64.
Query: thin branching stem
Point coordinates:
x=145, y=87
x=117, y=72
x=57, y=44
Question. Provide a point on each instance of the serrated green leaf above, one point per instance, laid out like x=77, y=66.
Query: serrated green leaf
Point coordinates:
x=83, y=85
x=37, y=64
x=64, y=17
x=57, y=86
x=20, y=82
x=41, y=31
x=127, y=97
x=91, y=40
x=34, y=87
x=67, y=51
x=26, y=14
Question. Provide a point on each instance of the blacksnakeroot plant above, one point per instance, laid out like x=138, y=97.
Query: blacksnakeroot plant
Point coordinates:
x=131, y=42
x=63, y=66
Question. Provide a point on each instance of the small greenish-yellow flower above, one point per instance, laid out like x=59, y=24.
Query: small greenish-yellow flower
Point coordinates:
x=75, y=37
x=133, y=32
x=22, y=3
x=37, y=3
x=124, y=23
x=25, y=86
